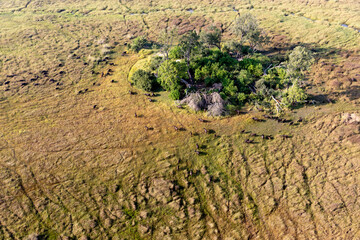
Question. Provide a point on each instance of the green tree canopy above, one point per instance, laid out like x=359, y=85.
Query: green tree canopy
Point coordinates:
x=300, y=60
x=188, y=44
x=247, y=28
x=211, y=37
x=143, y=80
x=293, y=95
x=166, y=39
x=170, y=75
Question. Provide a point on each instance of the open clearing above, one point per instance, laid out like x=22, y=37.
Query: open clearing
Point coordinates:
x=70, y=169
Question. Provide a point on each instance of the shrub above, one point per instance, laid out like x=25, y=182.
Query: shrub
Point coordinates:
x=241, y=98
x=211, y=37
x=230, y=88
x=232, y=109
x=243, y=80
x=256, y=69
x=264, y=60
x=175, y=53
x=137, y=44
x=145, y=52
x=300, y=60
x=293, y=95
x=141, y=64
x=155, y=62
x=143, y=80
x=175, y=94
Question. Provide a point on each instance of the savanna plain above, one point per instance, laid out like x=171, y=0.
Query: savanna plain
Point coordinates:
x=84, y=154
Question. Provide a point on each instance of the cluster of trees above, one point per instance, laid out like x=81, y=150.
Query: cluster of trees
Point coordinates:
x=199, y=61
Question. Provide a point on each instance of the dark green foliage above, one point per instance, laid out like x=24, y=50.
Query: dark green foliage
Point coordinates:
x=243, y=80
x=230, y=89
x=247, y=62
x=241, y=98
x=276, y=78
x=213, y=67
x=293, y=95
x=194, y=64
x=175, y=94
x=260, y=58
x=170, y=75
x=143, y=80
x=189, y=45
x=137, y=44
x=175, y=53
x=256, y=69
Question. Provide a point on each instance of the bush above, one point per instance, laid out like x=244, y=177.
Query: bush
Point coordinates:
x=241, y=98
x=230, y=89
x=138, y=44
x=256, y=69
x=143, y=80
x=293, y=95
x=243, y=80
x=264, y=60
x=175, y=53
x=155, y=62
x=175, y=94
x=232, y=109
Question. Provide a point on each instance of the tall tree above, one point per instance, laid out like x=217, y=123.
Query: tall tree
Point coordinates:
x=300, y=60
x=247, y=28
x=166, y=39
x=211, y=37
x=188, y=44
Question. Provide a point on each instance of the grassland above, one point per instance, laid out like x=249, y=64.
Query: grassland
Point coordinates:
x=69, y=169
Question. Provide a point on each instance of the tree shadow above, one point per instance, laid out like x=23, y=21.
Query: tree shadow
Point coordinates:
x=320, y=99
x=353, y=93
